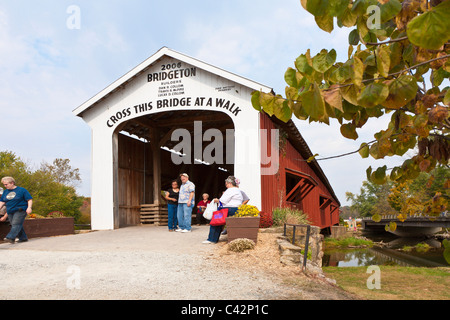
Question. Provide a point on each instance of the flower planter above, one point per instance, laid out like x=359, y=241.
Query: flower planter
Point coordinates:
x=243, y=227
x=38, y=228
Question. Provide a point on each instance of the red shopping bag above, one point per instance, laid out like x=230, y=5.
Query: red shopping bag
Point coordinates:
x=219, y=217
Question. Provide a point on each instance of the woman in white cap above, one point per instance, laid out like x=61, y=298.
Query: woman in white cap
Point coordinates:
x=231, y=199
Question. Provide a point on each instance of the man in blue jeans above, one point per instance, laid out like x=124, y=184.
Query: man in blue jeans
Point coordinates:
x=18, y=202
x=185, y=204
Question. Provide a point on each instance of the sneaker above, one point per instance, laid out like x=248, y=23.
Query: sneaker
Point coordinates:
x=19, y=241
x=185, y=231
x=9, y=240
x=179, y=230
x=207, y=242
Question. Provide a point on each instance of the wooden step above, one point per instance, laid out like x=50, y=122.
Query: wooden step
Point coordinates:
x=156, y=214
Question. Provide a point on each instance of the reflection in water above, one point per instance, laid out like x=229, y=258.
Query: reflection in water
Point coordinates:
x=388, y=254
x=351, y=258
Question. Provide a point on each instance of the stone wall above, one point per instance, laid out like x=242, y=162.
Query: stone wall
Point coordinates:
x=291, y=254
x=338, y=232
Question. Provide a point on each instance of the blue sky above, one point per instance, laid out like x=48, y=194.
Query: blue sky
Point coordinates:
x=47, y=70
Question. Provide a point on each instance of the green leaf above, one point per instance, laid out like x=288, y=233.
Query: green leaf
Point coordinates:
x=336, y=8
x=396, y=51
x=348, y=130
x=325, y=22
x=438, y=76
x=282, y=110
x=317, y=7
x=358, y=70
x=293, y=78
x=369, y=173
x=298, y=110
x=350, y=93
x=342, y=73
x=447, y=251
x=401, y=91
x=446, y=243
x=376, y=217
x=375, y=152
x=364, y=150
x=389, y=10
x=324, y=60
x=383, y=59
x=379, y=176
x=447, y=98
x=420, y=120
x=396, y=173
x=267, y=102
x=255, y=100
x=431, y=29
x=373, y=95
x=347, y=18
x=408, y=54
x=353, y=37
x=303, y=65
x=350, y=110
x=392, y=226
x=312, y=158
x=313, y=103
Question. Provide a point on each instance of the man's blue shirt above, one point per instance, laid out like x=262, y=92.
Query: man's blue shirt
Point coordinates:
x=16, y=199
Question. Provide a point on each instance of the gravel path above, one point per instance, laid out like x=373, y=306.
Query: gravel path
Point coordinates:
x=144, y=262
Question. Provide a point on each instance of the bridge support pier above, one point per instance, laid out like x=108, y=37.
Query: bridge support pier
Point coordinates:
x=415, y=231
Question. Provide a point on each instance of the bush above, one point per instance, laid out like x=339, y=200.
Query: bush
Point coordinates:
x=287, y=215
x=241, y=244
x=266, y=220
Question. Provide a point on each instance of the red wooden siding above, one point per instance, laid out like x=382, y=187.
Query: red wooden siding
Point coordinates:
x=297, y=184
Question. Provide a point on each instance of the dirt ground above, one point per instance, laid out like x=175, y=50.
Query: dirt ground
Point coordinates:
x=266, y=257
x=150, y=263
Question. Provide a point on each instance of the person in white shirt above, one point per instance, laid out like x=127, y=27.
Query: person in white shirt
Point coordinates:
x=231, y=199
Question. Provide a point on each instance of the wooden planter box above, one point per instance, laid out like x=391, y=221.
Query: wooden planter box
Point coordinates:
x=38, y=228
x=245, y=227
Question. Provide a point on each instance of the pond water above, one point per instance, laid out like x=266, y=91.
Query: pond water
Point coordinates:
x=389, y=254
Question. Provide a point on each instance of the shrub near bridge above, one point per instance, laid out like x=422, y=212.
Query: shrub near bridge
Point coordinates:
x=287, y=215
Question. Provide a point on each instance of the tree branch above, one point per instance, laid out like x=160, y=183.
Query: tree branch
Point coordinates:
x=385, y=42
x=391, y=74
x=341, y=155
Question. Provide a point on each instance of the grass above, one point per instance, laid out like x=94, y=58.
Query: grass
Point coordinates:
x=397, y=283
x=288, y=215
x=420, y=247
x=347, y=242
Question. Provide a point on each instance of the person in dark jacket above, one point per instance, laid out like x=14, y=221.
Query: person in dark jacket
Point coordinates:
x=172, y=205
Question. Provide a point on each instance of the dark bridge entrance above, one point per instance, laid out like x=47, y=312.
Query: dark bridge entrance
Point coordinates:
x=145, y=167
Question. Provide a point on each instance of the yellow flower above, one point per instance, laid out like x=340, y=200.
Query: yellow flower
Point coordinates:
x=247, y=211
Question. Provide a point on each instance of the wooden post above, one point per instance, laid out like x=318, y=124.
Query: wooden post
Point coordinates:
x=116, y=211
x=156, y=154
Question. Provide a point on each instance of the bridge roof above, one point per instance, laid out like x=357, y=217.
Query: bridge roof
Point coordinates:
x=153, y=59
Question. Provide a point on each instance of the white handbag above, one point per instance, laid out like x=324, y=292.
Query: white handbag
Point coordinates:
x=210, y=208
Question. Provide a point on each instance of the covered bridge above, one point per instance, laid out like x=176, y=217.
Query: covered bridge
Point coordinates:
x=174, y=114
